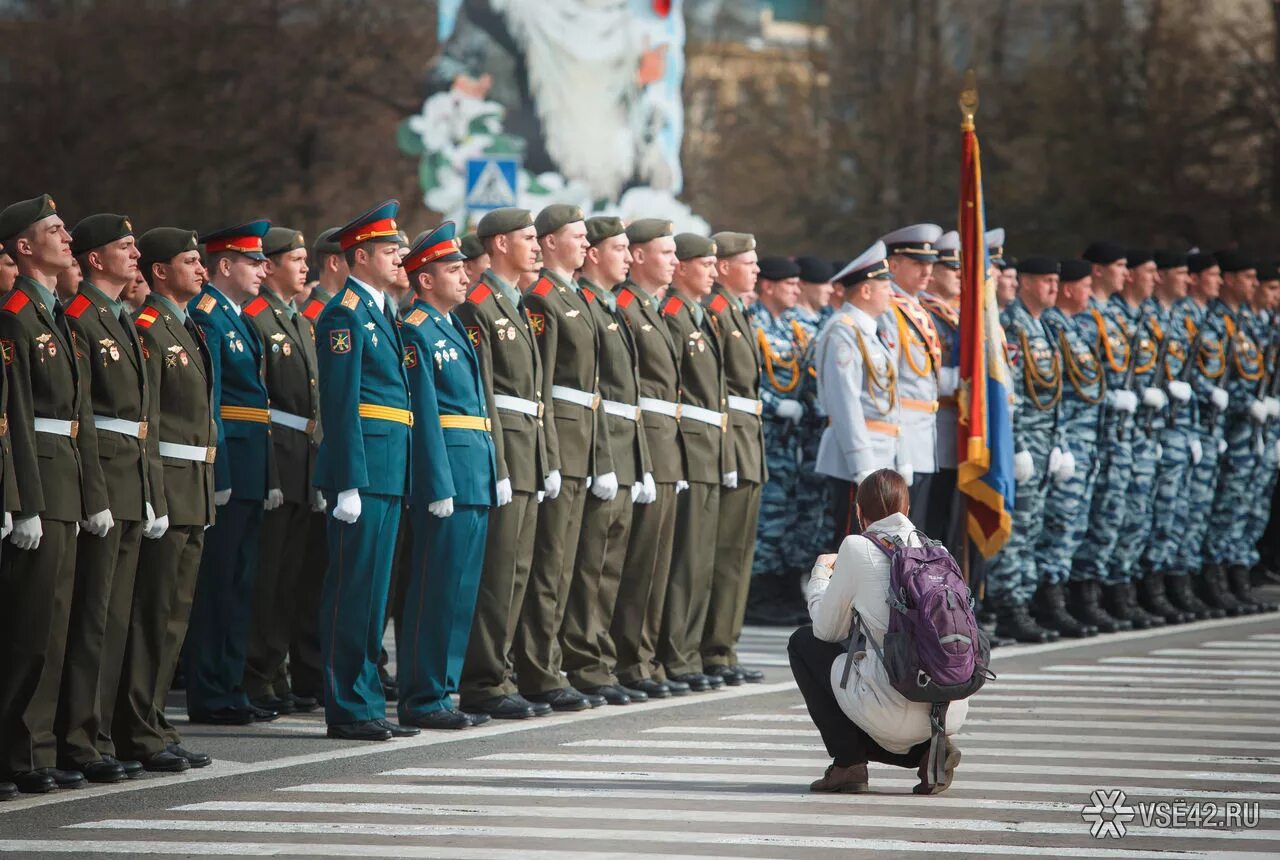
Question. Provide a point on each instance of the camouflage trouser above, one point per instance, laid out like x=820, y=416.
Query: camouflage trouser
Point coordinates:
x=1095, y=559
x=1236, y=494
x=1066, y=512
x=1202, y=485
x=1170, y=511
x=1012, y=574
x=1139, y=497
x=780, y=515
x=812, y=501
x=1260, y=511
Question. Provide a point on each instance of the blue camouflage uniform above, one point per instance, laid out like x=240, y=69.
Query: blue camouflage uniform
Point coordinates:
x=812, y=490
x=1267, y=336
x=1035, y=368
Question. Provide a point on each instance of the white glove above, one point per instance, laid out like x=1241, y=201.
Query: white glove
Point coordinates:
x=907, y=472
x=862, y=476
x=789, y=410
x=551, y=486
x=1197, y=452
x=681, y=486
x=605, y=487
x=1222, y=446
x=1154, y=398
x=1159, y=452
x=442, y=508
x=8, y=525
x=948, y=380
x=275, y=498
x=1123, y=401
x=148, y=517
x=1024, y=468
x=541, y=495
x=1067, y=468
x=1259, y=411
x=1273, y=406
x=6, y=516
x=1179, y=390
x=221, y=497
x=155, y=527
x=27, y=533
x=650, y=489
x=729, y=480
x=99, y=524
x=1055, y=461
x=347, y=508
x=588, y=482
x=1219, y=398
x=318, y=501
x=504, y=492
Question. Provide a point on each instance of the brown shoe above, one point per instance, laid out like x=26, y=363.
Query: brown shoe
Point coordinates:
x=951, y=761
x=842, y=780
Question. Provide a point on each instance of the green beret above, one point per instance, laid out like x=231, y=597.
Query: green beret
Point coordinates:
x=472, y=247
x=327, y=242
x=19, y=216
x=162, y=244
x=604, y=227
x=501, y=221
x=282, y=240
x=731, y=244
x=98, y=230
x=556, y=216
x=690, y=246
x=648, y=229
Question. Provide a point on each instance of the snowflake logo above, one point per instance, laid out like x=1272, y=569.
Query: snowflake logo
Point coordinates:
x=1108, y=814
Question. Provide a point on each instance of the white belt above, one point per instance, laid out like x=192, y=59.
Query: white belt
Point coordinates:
x=706, y=416
x=661, y=407
x=621, y=410
x=57, y=427
x=745, y=404
x=517, y=404
x=293, y=422
x=195, y=453
x=573, y=395
x=136, y=429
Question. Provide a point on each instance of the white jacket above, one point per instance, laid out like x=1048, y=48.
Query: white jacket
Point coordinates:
x=861, y=580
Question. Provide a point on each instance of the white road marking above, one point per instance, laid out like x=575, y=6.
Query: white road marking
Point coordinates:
x=1187, y=662
x=313, y=849
x=1226, y=719
x=1157, y=683
x=1147, y=726
x=1105, y=671
x=1268, y=706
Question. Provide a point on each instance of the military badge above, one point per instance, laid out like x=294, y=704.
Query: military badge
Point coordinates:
x=1011, y=352
x=571, y=313
x=410, y=356
x=6, y=350
x=108, y=349
x=46, y=345
x=453, y=354
x=473, y=333
x=646, y=327
x=286, y=348
x=538, y=323
x=613, y=326
x=340, y=341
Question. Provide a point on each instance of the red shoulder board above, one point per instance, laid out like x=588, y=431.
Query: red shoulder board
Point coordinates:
x=588, y=295
x=543, y=287
x=78, y=306
x=479, y=294
x=625, y=298
x=146, y=318
x=718, y=304
x=313, y=309
x=17, y=301
x=256, y=306
x=673, y=306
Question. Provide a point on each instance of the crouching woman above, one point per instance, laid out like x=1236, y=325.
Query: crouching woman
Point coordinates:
x=865, y=719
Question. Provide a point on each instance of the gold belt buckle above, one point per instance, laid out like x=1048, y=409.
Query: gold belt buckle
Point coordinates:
x=724, y=422
x=142, y=430
x=540, y=410
x=75, y=429
x=311, y=426
x=595, y=403
x=210, y=453
x=4, y=426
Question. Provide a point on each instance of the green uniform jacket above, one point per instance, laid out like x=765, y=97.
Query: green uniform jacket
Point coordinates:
x=10, y=501
x=742, y=367
x=290, y=349
x=510, y=366
x=180, y=379
x=708, y=450
x=659, y=364
x=619, y=384
x=117, y=384
x=568, y=344
x=43, y=383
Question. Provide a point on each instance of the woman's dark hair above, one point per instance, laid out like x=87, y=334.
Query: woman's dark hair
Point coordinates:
x=883, y=493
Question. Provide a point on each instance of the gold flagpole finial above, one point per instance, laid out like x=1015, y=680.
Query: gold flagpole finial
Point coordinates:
x=969, y=98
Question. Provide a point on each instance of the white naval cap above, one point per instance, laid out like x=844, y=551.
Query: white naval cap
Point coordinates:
x=915, y=241
x=995, y=241
x=869, y=264
x=948, y=248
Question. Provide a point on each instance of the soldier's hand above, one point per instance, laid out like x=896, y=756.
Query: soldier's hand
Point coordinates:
x=1024, y=468
x=275, y=498
x=1179, y=390
x=157, y=528
x=1197, y=452
x=8, y=525
x=318, y=501
x=605, y=487
x=442, y=508
x=347, y=508
x=1122, y=401
x=948, y=380
x=907, y=472
x=99, y=524
x=551, y=486
x=789, y=410
x=681, y=486
x=1273, y=406
x=221, y=497
x=650, y=489
x=1154, y=398
x=729, y=480
x=1219, y=398
x=503, y=492
x=27, y=533
x=1258, y=411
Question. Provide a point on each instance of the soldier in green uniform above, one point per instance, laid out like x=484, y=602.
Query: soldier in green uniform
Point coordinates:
x=37, y=573
x=8, y=485
x=646, y=568
x=115, y=462
x=512, y=373
x=475, y=257
x=737, y=267
x=182, y=441
x=708, y=449
x=295, y=411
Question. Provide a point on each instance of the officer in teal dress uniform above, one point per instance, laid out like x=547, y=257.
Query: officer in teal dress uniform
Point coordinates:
x=454, y=481
x=362, y=468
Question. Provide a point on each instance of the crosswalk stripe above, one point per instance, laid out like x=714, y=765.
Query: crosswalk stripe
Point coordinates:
x=1147, y=726
x=1176, y=663
x=1268, y=637
x=1196, y=653
x=313, y=849
x=1256, y=646
x=765, y=660
x=1059, y=685
x=1190, y=706
x=1156, y=683
x=1104, y=671
x=1229, y=721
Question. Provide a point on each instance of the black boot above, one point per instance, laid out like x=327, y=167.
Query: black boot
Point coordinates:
x=1016, y=623
x=1238, y=580
x=1178, y=588
x=1136, y=608
x=1115, y=599
x=1051, y=613
x=987, y=622
x=1215, y=591
x=1084, y=596
x=1151, y=595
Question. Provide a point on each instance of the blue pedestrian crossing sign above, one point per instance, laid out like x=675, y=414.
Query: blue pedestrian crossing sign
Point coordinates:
x=491, y=182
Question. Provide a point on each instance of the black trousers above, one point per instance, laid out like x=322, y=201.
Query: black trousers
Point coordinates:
x=811, y=660
x=921, y=492
x=844, y=497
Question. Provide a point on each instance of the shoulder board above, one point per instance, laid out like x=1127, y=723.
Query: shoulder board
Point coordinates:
x=146, y=317
x=206, y=304
x=479, y=294
x=717, y=304
x=588, y=294
x=672, y=306
x=847, y=319
x=625, y=298
x=543, y=287
x=350, y=300
x=78, y=305
x=416, y=318
x=17, y=301
x=313, y=309
x=256, y=306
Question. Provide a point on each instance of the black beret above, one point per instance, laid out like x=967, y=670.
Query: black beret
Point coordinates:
x=162, y=244
x=814, y=270
x=778, y=268
x=1103, y=253
x=1137, y=256
x=327, y=242
x=281, y=240
x=1269, y=270
x=95, y=231
x=1008, y=262
x=1074, y=270
x=1038, y=266
x=17, y=217
x=1197, y=263
x=1233, y=261
x=1170, y=259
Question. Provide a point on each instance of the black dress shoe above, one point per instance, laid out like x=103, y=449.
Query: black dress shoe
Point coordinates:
x=273, y=703
x=400, y=731
x=676, y=688
x=540, y=709
x=725, y=674
x=8, y=791
x=222, y=717
x=131, y=768
x=263, y=715
x=595, y=700
x=502, y=708
x=195, y=759
x=695, y=681
x=564, y=699
x=64, y=778
x=34, y=782
x=647, y=687
x=751, y=676
x=361, y=730
x=166, y=762
x=303, y=704
x=478, y=719
x=445, y=718
x=635, y=695
x=100, y=771
x=612, y=695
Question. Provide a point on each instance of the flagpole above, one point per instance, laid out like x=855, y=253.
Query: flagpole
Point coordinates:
x=968, y=107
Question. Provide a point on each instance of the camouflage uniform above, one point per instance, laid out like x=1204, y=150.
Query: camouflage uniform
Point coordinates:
x=812, y=492
x=1266, y=335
